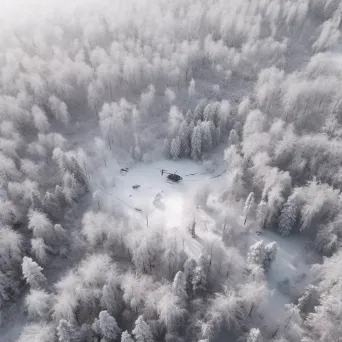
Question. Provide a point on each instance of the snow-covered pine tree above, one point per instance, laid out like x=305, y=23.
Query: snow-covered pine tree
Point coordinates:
x=270, y=254
x=248, y=206
x=256, y=253
x=262, y=212
x=233, y=138
x=70, y=164
x=59, y=109
x=198, y=111
x=199, y=280
x=179, y=287
x=38, y=304
x=184, y=135
x=40, y=120
x=175, y=148
x=207, y=139
x=254, y=335
x=207, y=112
x=309, y=299
x=66, y=332
x=166, y=149
x=40, y=225
x=192, y=88
x=288, y=217
x=106, y=326
x=189, y=272
x=32, y=272
x=39, y=249
x=111, y=299
x=189, y=117
x=196, y=143
x=142, y=331
x=79, y=174
x=126, y=337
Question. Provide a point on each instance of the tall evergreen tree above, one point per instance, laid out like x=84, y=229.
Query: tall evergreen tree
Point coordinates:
x=66, y=332
x=142, y=331
x=32, y=272
x=179, y=286
x=248, y=205
x=196, y=143
x=288, y=217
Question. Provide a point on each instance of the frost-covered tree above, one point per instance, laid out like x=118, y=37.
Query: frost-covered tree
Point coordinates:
x=175, y=148
x=324, y=321
x=66, y=332
x=40, y=120
x=179, y=287
x=261, y=214
x=40, y=225
x=111, y=298
x=206, y=135
x=38, y=304
x=59, y=109
x=170, y=310
x=254, y=335
x=199, y=279
x=270, y=254
x=309, y=299
x=192, y=88
x=39, y=249
x=38, y=332
x=11, y=248
x=288, y=217
x=126, y=337
x=184, y=135
x=106, y=326
x=248, y=206
x=252, y=294
x=196, y=143
x=256, y=254
x=142, y=331
x=134, y=290
x=189, y=272
x=233, y=138
x=226, y=307
x=32, y=273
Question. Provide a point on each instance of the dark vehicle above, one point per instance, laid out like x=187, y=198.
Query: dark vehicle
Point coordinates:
x=171, y=177
x=174, y=177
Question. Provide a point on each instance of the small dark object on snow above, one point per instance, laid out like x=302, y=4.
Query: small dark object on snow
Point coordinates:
x=173, y=177
x=124, y=170
x=138, y=209
x=136, y=186
x=258, y=232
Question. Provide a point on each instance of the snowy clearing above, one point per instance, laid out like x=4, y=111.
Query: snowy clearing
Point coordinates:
x=166, y=204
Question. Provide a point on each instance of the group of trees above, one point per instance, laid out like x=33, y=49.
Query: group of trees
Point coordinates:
x=295, y=189
x=196, y=75
x=197, y=132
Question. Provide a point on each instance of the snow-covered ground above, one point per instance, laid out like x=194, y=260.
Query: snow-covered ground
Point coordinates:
x=167, y=204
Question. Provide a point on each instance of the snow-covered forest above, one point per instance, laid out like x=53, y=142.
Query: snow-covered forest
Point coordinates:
x=100, y=101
